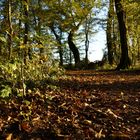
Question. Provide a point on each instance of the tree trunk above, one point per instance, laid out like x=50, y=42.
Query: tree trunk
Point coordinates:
x=61, y=54
x=10, y=31
x=124, y=60
x=0, y=49
x=42, y=50
x=58, y=38
x=25, y=35
x=138, y=45
x=73, y=48
x=109, y=33
x=86, y=47
x=87, y=32
x=20, y=52
x=27, y=51
x=70, y=62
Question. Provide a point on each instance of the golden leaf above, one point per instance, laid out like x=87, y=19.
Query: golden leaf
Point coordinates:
x=22, y=46
x=9, y=137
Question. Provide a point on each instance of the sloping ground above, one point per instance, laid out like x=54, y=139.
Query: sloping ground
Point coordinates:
x=85, y=105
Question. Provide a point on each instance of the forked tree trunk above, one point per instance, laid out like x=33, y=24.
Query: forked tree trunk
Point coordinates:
x=124, y=60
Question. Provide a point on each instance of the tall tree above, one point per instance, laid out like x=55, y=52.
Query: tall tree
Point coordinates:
x=26, y=30
x=58, y=35
x=37, y=26
x=133, y=25
x=70, y=16
x=73, y=47
x=87, y=28
x=10, y=30
x=78, y=12
x=86, y=33
x=124, y=60
x=109, y=32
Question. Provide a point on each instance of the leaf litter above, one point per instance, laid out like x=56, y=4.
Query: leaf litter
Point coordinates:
x=84, y=105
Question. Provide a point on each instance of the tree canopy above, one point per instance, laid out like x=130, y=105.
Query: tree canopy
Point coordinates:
x=56, y=23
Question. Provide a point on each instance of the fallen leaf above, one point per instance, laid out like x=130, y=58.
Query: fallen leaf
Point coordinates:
x=99, y=135
x=113, y=114
x=9, y=137
x=88, y=122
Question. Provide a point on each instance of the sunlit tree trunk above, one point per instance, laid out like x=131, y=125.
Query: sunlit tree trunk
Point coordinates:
x=124, y=60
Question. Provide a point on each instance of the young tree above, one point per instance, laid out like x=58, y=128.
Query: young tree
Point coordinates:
x=86, y=32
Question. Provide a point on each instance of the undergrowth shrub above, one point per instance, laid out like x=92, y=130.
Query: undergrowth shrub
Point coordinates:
x=15, y=75
x=40, y=68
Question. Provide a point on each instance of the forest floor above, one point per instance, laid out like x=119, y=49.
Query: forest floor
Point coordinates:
x=83, y=105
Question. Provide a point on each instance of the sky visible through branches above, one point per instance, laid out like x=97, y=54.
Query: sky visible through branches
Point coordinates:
x=97, y=46
x=98, y=43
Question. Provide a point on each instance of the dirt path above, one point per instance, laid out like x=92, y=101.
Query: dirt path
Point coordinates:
x=85, y=105
x=114, y=95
